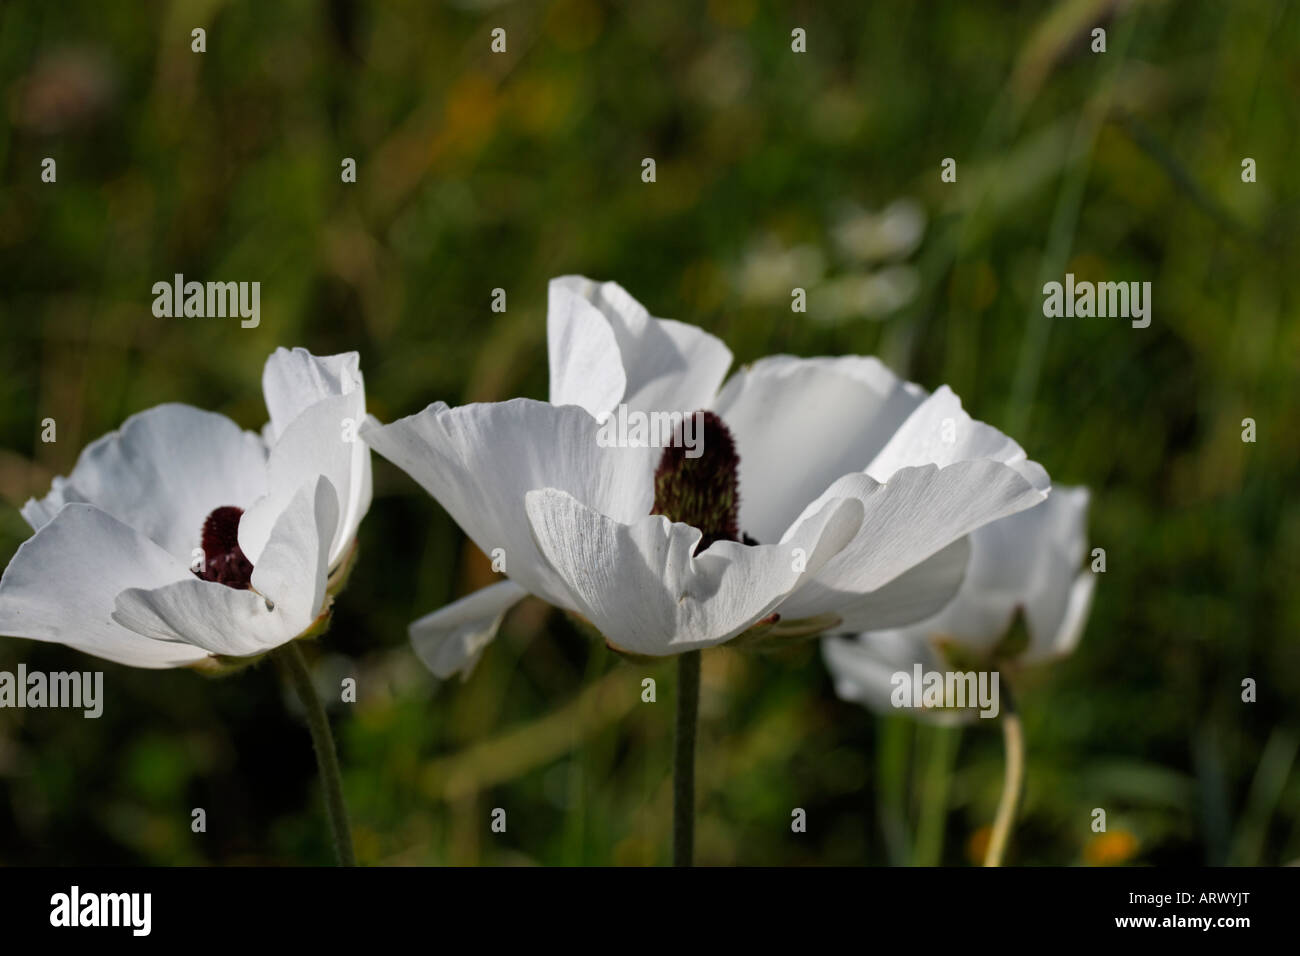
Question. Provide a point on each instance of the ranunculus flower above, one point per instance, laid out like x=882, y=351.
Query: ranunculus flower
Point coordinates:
x=113, y=567
x=1026, y=567
x=829, y=494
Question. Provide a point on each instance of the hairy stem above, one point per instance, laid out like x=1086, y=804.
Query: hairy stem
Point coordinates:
x=688, y=711
x=294, y=666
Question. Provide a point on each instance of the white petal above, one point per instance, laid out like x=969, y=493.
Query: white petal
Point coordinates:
x=163, y=472
x=586, y=367
x=357, y=503
x=479, y=461
x=975, y=619
x=801, y=423
x=324, y=441
x=451, y=639
x=940, y=433
x=862, y=670
x=1055, y=596
x=1070, y=630
x=642, y=586
x=685, y=377
x=239, y=623
x=914, y=515
x=61, y=584
x=1028, y=561
x=37, y=512
x=666, y=365
x=294, y=567
x=915, y=595
x=293, y=381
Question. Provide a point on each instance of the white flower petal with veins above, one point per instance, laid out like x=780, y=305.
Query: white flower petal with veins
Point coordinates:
x=585, y=365
x=293, y=381
x=832, y=415
x=923, y=439
x=480, y=460
x=605, y=348
x=162, y=473
x=915, y=514
x=642, y=585
x=61, y=585
x=917, y=593
x=311, y=436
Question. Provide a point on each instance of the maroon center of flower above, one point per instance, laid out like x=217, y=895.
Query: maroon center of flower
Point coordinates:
x=223, y=561
x=702, y=491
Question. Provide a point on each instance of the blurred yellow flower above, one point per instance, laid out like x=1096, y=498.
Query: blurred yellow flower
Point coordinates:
x=1111, y=849
x=978, y=844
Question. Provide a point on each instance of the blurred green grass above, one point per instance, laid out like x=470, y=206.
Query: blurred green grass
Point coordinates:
x=478, y=171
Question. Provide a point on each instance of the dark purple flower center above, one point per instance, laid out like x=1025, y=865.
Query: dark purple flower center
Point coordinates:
x=223, y=561
x=703, y=491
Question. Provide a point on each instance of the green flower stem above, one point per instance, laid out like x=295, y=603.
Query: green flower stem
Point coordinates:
x=1014, y=741
x=294, y=666
x=934, y=795
x=688, y=712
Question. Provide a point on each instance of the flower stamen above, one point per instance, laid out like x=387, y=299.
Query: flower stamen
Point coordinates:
x=223, y=560
x=703, y=491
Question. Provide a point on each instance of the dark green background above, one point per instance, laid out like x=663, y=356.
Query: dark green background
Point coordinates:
x=479, y=171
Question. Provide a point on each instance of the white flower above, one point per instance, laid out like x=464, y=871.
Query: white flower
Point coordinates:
x=858, y=489
x=1026, y=564
x=108, y=570
x=893, y=233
